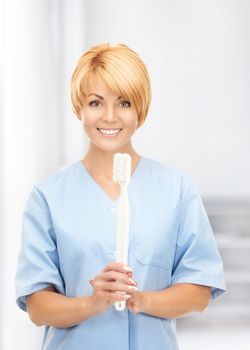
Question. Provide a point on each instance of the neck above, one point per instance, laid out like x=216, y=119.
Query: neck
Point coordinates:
x=100, y=163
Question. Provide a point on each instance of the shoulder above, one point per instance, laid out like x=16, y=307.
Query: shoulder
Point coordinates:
x=163, y=171
x=58, y=182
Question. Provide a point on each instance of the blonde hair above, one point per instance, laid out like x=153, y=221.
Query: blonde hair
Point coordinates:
x=121, y=69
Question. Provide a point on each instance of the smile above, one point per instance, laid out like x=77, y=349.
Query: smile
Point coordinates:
x=109, y=132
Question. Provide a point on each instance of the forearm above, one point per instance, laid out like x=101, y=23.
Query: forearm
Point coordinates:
x=50, y=308
x=175, y=301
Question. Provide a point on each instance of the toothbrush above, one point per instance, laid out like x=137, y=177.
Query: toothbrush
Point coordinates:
x=122, y=175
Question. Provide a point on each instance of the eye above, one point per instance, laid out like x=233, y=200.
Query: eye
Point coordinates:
x=94, y=103
x=125, y=104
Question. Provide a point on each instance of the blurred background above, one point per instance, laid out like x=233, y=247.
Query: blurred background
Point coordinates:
x=198, y=55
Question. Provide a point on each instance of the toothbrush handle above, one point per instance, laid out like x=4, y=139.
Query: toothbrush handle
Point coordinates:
x=120, y=305
x=122, y=234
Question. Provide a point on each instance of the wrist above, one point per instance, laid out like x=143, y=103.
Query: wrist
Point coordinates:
x=96, y=305
x=88, y=306
x=93, y=305
x=139, y=304
x=144, y=302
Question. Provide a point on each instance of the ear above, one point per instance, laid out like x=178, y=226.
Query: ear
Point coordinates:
x=80, y=116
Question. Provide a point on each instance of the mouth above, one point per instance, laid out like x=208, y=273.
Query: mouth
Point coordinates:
x=109, y=133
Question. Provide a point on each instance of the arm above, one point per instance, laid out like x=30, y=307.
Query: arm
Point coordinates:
x=172, y=302
x=47, y=307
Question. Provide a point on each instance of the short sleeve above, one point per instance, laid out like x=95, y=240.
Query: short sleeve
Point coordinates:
x=197, y=258
x=38, y=262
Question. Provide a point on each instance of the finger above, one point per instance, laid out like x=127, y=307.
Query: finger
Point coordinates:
x=113, y=297
x=116, y=276
x=116, y=286
x=117, y=266
x=132, y=306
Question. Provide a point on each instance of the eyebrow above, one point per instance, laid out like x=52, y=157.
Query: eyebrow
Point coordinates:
x=118, y=98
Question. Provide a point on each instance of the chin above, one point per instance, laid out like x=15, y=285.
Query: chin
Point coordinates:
x=116, y=148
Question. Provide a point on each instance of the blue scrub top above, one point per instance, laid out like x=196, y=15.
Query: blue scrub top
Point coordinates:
x=69, y=235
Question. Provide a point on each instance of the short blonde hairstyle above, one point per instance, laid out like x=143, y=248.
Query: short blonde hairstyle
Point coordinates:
x=121, y=70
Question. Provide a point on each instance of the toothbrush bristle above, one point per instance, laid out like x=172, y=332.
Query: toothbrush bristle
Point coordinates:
x=122, y=167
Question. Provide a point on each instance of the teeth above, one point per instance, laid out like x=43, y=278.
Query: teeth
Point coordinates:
x=110, y=132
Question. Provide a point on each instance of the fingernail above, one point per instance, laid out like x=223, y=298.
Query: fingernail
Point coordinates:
x=127, y=296
x=132, y=281
x=132, y=288
x=127, y=268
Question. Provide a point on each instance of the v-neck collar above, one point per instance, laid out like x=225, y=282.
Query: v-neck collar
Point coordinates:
x=100, y=189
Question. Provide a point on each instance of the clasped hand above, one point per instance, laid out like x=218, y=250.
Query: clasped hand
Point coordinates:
x=115, y=283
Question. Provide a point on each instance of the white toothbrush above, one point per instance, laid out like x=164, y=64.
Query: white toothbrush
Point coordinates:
x=122, y=175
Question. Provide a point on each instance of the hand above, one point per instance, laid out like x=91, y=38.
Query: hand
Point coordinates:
x=113, y=278
x=135, y=303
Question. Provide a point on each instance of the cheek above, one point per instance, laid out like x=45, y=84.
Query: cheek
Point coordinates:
x=131, y=121
x=89, y=120
x=133, y=126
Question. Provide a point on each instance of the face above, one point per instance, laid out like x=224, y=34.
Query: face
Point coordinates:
x=109, y=120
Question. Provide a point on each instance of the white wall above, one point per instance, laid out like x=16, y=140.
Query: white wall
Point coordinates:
x=1, y=164
x=198, y=56
x=37, y=115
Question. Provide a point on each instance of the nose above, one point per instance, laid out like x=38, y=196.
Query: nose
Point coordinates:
x=110, y=114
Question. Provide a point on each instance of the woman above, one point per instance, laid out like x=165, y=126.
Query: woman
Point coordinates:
x=67, y=275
